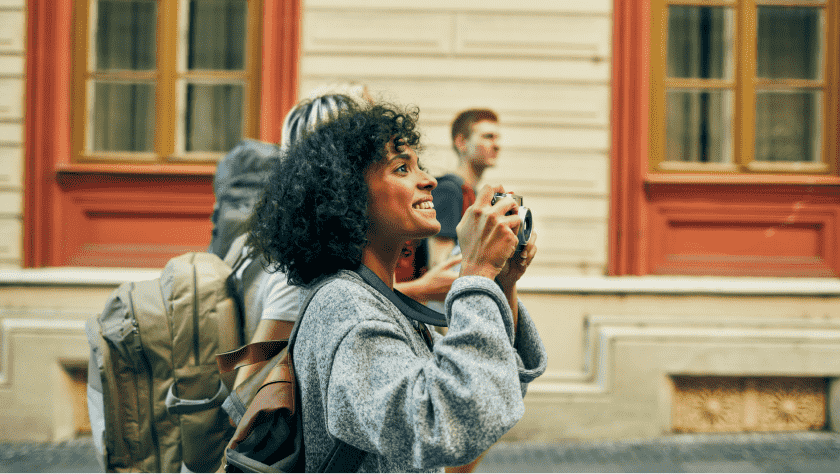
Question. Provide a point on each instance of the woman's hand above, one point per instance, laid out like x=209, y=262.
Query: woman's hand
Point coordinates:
x=487, y=235
x=516, y=265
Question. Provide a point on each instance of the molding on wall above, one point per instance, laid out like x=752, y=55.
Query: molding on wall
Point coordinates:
x=681, y=285
x=75, y=276
x=625, y=285
x=602, y=333
x=9, y=327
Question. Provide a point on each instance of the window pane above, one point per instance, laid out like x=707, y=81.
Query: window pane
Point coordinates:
x=214, y=117
x=125, y=35
x=217, y=34
x=699, y=124
x=699, y=42
x=123, y=117
x=789, y=43
x=788, y=125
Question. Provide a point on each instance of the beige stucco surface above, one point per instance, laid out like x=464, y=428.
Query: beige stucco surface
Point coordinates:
x=613, y=343
x=544, y=66
x=12, y=105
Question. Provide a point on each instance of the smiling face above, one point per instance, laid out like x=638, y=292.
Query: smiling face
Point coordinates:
x=400, y=198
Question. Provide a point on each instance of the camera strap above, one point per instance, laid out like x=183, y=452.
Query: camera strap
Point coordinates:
x=407, y=306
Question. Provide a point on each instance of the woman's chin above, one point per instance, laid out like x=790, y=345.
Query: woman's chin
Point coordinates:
x=434, y=230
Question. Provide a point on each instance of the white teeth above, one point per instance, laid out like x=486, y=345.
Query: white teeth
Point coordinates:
x=424, y=205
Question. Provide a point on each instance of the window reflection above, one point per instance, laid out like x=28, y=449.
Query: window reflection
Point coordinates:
x=123, y=117
x=788, y=125
x=698, y=127
x=213, y=119
x=789, y=43
x=125, y=35
x=699, y=42
x=217, y=34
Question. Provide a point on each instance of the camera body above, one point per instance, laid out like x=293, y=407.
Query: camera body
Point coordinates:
x=525, y=219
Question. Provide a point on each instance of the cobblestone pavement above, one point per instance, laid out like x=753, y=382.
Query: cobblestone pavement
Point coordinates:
x=788, y=452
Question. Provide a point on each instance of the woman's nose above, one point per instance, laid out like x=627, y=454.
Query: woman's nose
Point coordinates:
x=428, y=181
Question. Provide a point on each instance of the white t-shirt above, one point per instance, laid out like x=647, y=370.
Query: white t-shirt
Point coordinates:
x=280, y=300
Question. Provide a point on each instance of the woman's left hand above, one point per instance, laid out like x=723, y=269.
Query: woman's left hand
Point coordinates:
x=517, y=264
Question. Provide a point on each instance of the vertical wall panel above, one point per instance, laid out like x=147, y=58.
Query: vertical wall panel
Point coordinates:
x=544, y=66
x=12, y=64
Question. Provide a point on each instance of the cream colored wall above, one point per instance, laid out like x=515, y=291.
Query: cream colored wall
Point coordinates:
x=544, y=66
x=614, y=343
x=12, y=69
x=42, y=340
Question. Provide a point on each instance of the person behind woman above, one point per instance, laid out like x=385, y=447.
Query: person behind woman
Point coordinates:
x=348, y=196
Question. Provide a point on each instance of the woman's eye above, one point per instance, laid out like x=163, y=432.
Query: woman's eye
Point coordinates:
x=403, y=169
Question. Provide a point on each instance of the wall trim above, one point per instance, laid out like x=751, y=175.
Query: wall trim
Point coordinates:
x=602, y=332
x=75, y=276
x=9, y=327
x=682, y=285
x=625, y=285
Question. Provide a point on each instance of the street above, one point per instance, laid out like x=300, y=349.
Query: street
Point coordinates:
x=778, y=452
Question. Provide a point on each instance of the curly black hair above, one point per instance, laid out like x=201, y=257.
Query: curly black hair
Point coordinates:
x=312, y=219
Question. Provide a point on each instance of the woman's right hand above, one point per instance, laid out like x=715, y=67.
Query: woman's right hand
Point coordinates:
x=487, y=235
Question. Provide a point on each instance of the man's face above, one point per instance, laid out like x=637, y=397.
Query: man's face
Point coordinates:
x=481, y=149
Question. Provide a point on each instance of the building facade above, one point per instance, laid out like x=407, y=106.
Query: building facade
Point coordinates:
x=680, y=158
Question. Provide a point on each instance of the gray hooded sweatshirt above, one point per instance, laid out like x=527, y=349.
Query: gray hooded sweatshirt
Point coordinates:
x=368, y=378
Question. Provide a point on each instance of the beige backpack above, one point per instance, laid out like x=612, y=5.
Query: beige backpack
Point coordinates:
x=158, y=388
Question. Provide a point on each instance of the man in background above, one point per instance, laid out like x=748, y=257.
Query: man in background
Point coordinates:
x=475, y=138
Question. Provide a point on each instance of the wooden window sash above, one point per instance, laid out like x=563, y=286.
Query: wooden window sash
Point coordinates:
x=744, y=85
x=168, y=77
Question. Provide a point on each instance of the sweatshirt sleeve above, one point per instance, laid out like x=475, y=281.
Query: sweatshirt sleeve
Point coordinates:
x=531, y=356
x=422, y=412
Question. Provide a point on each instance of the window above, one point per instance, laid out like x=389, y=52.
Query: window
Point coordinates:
x=164, y=81
x=744, y=86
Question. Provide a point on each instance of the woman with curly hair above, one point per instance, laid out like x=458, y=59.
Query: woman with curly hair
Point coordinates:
x=342, y=203
x=275, y=301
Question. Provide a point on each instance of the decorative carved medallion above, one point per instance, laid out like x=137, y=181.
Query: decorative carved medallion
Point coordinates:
x=707, y=404
x=735, y=404
x=791, y=403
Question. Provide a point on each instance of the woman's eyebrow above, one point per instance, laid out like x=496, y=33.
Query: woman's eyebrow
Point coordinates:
x=401, y=156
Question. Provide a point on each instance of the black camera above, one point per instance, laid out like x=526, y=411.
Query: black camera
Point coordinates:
x=526, y=222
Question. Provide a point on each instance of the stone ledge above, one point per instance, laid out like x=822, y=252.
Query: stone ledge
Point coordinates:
x=682, y=285
x=75, y=276
x=624, y=285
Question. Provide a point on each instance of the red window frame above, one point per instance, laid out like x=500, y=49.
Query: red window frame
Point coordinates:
x=664, y=223
x=61, y=195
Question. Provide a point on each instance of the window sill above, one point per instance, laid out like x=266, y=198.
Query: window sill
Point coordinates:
x=75, y=276
x=737, y=178
x=680, y=286
x=136, y=169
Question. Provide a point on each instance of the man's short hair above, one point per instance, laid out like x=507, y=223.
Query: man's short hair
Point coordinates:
x=462, y=125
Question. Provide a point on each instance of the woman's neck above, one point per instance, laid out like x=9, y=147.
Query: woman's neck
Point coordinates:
x=382, y=260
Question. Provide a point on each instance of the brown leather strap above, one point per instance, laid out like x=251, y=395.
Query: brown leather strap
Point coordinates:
x=249, y=354
x=280, y=373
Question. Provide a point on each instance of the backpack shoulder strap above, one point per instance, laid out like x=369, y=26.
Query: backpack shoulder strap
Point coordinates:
x=243, y=408
x=343, y=457
x=407, y=306
x=234, y=257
